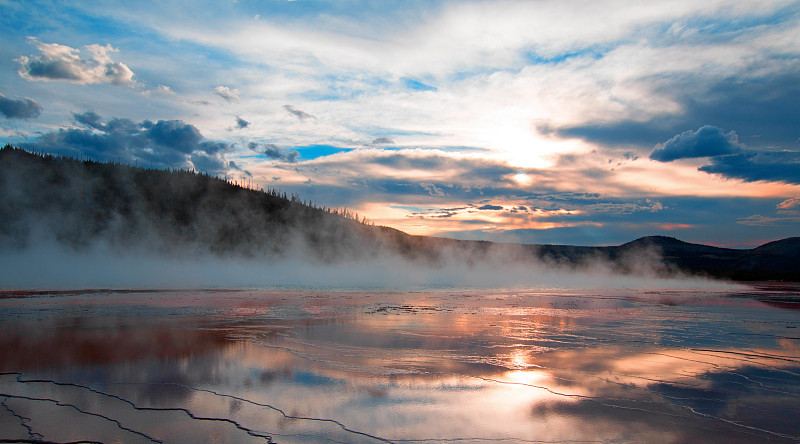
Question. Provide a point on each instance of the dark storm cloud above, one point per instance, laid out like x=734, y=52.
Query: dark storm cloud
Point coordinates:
x=752, y=166
x=166, y=143
x=762, y=110
x=302, y=115
x=20, y=108
x=273, y=152
x=707, y=141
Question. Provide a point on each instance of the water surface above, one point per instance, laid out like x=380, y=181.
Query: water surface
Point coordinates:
x=541, y=365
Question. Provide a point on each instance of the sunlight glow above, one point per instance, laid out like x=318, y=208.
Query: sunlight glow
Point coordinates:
x=522, y=179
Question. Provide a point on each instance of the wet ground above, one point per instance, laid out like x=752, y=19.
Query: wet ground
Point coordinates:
x=542, y=365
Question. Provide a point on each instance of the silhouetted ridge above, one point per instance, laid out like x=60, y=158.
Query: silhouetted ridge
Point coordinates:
x=655, y=240
x=786, y=246
x=81, y=203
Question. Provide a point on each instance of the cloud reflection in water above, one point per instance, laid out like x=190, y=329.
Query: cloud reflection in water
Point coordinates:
x=361, y=367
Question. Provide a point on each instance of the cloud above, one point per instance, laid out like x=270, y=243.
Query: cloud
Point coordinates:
x=728, y=157
x=231, y=95
x=626, y=207
x=209, y=163
x=432, y=189
x=758, y=220
x=490, y=207
x=438, y=213
x=302, y=115
x=398, y=173
x=762, y=108
x=241, y=123
x=58, y=62
x=273, y=152
x=163, y=144
x=175, y=134
x=90, y=119
x=161, y=90
x=435, y=162
x=707, y=141
x=789, y=203
x=382, y=141
x=454, y=37
x=234, y=166
x=753, y=166
x=20, y=108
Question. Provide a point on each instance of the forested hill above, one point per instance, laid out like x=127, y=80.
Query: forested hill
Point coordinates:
x=80, y=204
x=174, y=212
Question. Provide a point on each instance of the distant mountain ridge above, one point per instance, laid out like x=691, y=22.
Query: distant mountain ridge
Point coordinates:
x=76, y=203
x=774, y=260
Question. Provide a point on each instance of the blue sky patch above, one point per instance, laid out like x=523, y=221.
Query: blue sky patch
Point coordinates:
x=416, y=85
x=310, y=152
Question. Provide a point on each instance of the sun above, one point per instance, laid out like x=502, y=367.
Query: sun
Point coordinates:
x=522, y=179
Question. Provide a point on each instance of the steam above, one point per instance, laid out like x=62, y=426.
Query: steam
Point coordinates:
x=55, y=266
x=69, y=224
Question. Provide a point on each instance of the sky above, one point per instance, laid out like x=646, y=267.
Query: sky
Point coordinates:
x=549, y=122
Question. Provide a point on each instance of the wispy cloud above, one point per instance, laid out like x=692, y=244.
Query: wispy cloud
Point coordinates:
x=302, y=115
x=273, y=152
x=789, y=203
x=767, y=221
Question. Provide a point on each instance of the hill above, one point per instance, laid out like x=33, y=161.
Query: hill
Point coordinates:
x=178, y=212
x=77, y=204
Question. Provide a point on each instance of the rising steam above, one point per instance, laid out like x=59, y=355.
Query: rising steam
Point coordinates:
x=70, y=224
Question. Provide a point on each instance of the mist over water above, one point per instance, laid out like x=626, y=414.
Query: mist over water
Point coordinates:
x=72, y=224
x=53, y=266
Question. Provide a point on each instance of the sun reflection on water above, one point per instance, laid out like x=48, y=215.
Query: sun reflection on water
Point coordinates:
x=526, y=366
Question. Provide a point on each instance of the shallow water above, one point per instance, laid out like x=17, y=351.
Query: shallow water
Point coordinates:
x=535, y=365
